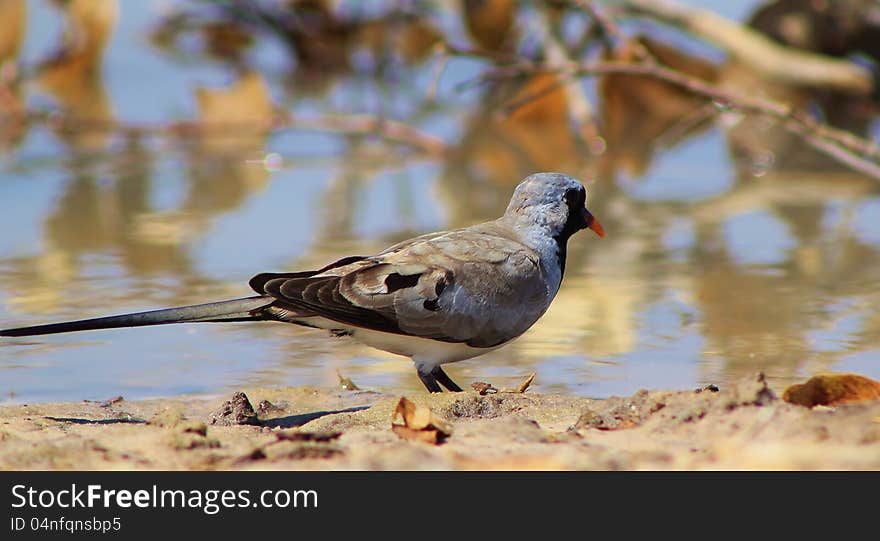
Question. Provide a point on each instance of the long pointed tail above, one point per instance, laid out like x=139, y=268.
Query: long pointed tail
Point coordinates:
x=246, y=309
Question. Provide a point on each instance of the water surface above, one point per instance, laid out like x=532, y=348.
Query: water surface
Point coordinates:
x=713, y=267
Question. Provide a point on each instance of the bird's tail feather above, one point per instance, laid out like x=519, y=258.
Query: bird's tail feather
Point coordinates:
x=245, y=309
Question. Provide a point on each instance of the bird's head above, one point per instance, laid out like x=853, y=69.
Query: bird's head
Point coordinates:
x=555, y=202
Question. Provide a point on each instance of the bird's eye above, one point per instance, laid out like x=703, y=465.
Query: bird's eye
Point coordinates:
x=575, y=197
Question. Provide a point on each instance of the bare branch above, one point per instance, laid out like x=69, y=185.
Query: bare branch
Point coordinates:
x=777, y=62
x=854, y=151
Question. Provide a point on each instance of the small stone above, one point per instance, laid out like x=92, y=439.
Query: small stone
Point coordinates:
x=237, y=411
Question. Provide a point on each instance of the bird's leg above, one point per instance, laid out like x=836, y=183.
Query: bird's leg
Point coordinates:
x=429, y=379
x=445, y=380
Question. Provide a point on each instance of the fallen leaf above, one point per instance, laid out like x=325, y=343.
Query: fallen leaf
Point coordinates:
x=111, y=401
x=346, y=383
x=418, y=423
x=833, y=390
x=521, y=388
x=483, y=388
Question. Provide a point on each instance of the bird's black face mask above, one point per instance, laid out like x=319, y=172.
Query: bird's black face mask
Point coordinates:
x=578, y=215
x=578, y=218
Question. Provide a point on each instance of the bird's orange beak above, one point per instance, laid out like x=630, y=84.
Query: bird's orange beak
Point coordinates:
x=593, y=223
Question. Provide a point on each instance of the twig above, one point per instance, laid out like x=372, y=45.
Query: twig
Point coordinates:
x=610, y=33
x=608, y=30
x=390, y=130
x=436, y=74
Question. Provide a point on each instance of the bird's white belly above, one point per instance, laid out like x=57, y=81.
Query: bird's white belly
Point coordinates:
x=423, y=351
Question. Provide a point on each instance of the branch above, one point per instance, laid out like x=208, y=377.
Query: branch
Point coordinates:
x=854, y=151
x=777, y=62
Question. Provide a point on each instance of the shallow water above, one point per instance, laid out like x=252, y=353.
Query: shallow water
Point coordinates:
x=710, y=269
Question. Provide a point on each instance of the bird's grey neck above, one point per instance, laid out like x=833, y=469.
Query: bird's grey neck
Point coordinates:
x=541, y=238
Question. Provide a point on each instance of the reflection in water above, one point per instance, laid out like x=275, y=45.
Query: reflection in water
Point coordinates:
x=12, y=123
x=500, y=146
x=640, y=114
x=14, y=15
x=224, y=158
x=72, y=76
x=765, y=261
x=490, y=23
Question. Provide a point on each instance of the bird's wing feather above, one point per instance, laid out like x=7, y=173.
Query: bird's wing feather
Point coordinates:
x=472, y=286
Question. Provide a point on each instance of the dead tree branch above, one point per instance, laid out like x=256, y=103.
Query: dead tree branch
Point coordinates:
x=856, y=152
x=776, y=62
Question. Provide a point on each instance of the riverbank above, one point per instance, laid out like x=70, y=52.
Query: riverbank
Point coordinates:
x=746, y=426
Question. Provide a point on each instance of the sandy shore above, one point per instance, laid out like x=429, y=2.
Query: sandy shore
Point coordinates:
x=745, y=426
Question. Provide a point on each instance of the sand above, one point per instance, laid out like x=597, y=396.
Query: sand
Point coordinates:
x=746, y=426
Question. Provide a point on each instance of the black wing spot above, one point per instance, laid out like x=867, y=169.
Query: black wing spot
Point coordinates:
x=395, y=282
x=439, y=288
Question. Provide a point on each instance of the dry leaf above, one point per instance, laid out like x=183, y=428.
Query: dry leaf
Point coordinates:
x=525, y=384
x=111, y=401
x=483, y=388
x=418, y=423
x=521, y=388
x=833, y=390
x=346, y=383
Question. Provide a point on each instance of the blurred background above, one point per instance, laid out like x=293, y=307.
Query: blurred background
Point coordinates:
x=157, y=153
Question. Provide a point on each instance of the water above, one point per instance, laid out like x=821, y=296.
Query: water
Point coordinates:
x=713, y=267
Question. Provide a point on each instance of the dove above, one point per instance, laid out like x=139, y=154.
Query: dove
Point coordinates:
x=437, y=298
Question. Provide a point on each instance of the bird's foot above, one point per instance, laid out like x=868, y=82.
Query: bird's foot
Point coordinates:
x=435, y=377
